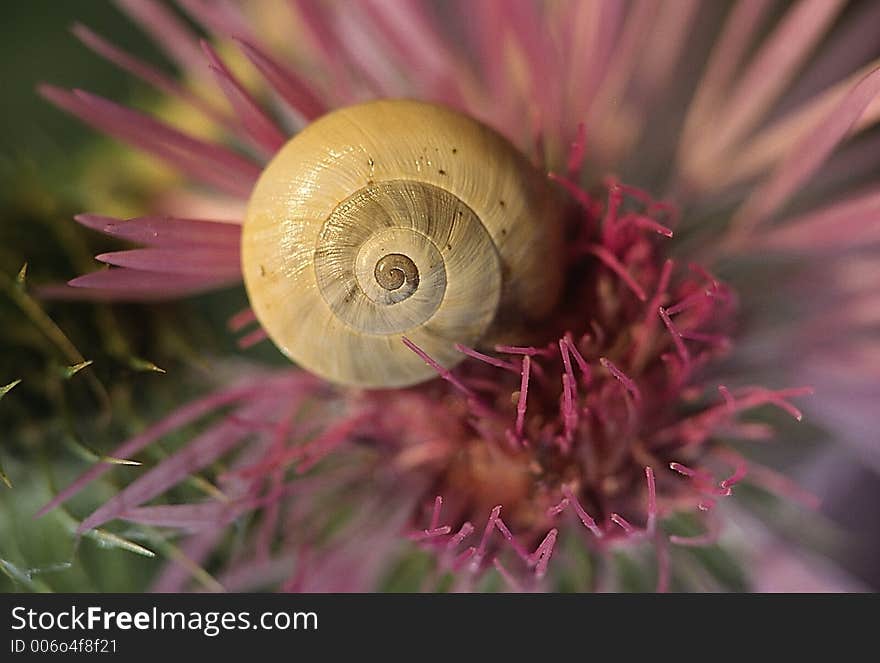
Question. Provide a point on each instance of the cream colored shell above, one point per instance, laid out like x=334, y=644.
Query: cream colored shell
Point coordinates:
x=397, y=219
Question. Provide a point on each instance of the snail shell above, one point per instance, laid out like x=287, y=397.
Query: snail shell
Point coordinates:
x=397, y=218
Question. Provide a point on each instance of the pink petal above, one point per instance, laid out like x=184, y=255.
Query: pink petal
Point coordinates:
x=185, y=415
x=669, y=36
x=221, y=263
x=738, y=32
x=594, y=30
x=624, y=59
x=807, y=156
x=168, y=31
x=221, y=17
x=323, y=41
x=189, y=517
x=214, y=443
x=412, y=33
x=175, y=575
x=212, y=164
x=295, y=91
x=135, y=284
x=768, y=146
x=145, y=72
x=770, y=70
x=848, y=224
x=165, y=230
x=261, y=130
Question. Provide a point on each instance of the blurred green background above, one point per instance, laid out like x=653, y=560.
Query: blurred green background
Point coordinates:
x=60, y=416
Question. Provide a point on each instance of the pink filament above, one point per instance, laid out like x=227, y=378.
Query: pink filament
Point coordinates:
x=577, y=151
x=614, y=265
x=492, y=361
x=625, y=380
x=441, y=371
x=676, y=336
x=523, y=396
x=588, y=522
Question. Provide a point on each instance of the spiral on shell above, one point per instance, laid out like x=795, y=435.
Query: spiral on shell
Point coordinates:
x=396, y=219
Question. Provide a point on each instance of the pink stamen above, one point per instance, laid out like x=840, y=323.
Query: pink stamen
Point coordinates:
x=690, y=301
x=435, y=515
x=710, y=537
x=785, y=405
x=739, y=473
x=615, y=198
x=652, y=500
x=566, y=359
x=441, y=371
x=645, y=198
x=430, y=533
x=676, y=336
x=492, y=361
x=579, y=359
x=523, y=396
x=463, y=533
x=541, y=556
x=527, y=350
x=508, y=578
x=625, y=380
x=624, y=524
x=755, y=396
x=690, y=472
x=241, y=319
x=558, y=508
x=580, y=196
x=506, y=533
x=569, y=413
x=647, y=223
x=701, y=270
x=588, y=521
x=614, y=265
x=643, y=339
x=577, y=151
x=480, y=552
x=513, y=441
x=705, y=482
x=252, y=338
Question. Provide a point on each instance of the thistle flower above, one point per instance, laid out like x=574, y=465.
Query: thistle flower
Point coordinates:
x=624, y=417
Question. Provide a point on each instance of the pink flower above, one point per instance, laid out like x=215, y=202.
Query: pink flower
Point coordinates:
x=624, y=417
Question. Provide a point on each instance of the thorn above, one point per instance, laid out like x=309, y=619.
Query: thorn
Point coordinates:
x=139, y=364
x=9, y=387
x=69, y=371
x=22, y=276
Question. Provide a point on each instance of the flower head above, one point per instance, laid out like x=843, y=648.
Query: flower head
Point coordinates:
x=618, y=415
